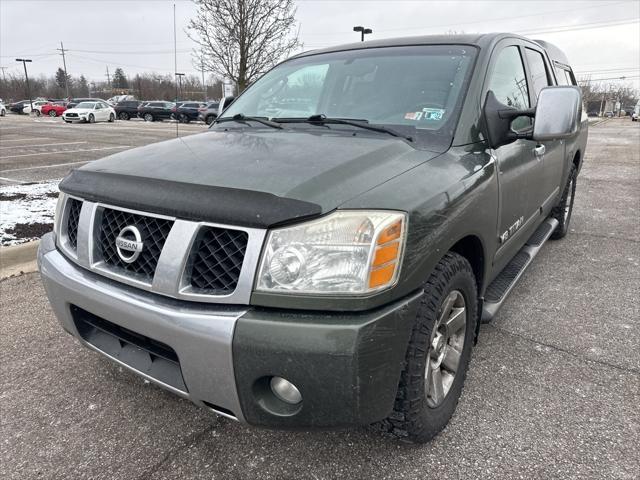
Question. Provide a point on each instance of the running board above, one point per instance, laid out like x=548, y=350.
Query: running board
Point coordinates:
x=498, y=291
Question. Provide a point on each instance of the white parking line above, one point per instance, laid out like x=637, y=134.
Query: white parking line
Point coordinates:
x=21, y=139
x=65, y=151
x=43, y=145
x=44, y=166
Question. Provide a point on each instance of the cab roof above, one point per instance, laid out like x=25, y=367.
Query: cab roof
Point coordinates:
x=481, y=40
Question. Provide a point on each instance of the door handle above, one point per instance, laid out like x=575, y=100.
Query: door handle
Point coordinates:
x=539, y=150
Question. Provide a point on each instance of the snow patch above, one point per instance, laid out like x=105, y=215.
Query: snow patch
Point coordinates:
x=26, y=204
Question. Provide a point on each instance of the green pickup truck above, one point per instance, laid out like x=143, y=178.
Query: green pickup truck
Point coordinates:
x=324, y=254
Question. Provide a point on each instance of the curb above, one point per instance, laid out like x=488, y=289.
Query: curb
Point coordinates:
x=18, y=259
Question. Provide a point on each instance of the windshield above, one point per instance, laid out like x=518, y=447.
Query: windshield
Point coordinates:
x=416, y=88
x=87, y=105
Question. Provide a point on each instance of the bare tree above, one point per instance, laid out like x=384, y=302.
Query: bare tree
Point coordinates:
x=242, y=39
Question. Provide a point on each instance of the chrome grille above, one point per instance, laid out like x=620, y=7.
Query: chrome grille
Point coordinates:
x=216, y=260
x=73, y=219
x=154, y=232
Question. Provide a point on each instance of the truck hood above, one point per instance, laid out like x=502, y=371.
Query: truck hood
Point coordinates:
x=297, y=172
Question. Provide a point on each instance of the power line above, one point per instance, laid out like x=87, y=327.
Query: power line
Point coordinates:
x=551, y=12
x=584, y=26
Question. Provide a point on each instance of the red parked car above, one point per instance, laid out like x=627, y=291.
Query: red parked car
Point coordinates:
x=54, y=109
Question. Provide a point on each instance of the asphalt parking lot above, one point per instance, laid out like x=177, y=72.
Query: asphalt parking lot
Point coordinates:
x=34, y=149
x=553, y=390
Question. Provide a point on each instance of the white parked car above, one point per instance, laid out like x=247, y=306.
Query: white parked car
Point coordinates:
x=90, y=112
x=3, y=110
x=37, y=106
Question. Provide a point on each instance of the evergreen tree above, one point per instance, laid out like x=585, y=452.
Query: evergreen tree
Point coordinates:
x=60, y=78
x=83, y=87
x=119, y=79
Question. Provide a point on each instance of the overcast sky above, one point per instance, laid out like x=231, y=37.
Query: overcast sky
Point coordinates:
x=600, y=37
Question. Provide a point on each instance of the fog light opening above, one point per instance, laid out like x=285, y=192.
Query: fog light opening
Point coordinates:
x=285, y=391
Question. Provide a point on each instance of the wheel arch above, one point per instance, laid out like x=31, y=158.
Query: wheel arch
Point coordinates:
x=472, y=248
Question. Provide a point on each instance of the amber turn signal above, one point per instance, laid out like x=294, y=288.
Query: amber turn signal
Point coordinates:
x=390, y=233
x=382, y=275
x=386, y=254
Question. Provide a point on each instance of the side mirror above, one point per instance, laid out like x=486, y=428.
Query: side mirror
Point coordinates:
x=497, y=118
x=557, y=113
x=225, y=103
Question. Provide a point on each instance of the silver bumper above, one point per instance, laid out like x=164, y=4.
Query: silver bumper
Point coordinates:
x=201, y=335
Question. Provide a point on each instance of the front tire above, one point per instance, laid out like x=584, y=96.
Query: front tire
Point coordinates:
x=148, y=117
x=123, y=116
x=210, y=119
x=563, y=210
x=112, y=118
x=92, y=119
x=438, y=353
x=53, y=113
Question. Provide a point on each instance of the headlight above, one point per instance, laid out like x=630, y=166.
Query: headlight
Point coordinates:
x=347, y=252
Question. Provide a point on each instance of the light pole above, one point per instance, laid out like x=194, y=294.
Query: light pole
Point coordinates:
x=24, y=64
x=363, y=31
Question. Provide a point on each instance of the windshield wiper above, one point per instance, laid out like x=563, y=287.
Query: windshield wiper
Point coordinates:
x=322, y=119
x=241, y=118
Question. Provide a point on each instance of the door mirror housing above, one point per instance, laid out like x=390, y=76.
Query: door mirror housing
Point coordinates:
x=556, y=116
x=225, y=103
x=557, y=113
x=497, y=118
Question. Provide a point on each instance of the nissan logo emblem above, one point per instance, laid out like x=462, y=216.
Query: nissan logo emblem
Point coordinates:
x=129, y=249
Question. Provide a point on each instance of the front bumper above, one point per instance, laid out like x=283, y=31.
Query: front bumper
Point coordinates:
x=346, y=365
x=74, y=119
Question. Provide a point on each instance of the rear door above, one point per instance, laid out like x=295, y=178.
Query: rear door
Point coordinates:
x=518, y=167
x=550, y=153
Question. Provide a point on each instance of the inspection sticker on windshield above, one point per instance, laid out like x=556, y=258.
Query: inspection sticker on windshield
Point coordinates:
x=433, y=113
x=413, y=115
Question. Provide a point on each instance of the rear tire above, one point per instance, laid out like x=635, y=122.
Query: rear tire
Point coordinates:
x=437, y=358
x=112, y=117
x=123, y=116
x=148, y=117
x=210, y=119
x=563, y=210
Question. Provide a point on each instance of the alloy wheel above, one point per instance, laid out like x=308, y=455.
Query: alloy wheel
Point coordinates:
x=445, y=348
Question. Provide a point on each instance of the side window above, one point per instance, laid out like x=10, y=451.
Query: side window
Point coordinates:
x=561, y=75
x=565, y=76
x=509, y=83
x=539, y=74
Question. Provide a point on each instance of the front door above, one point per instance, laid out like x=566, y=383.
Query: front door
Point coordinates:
x=518, y=165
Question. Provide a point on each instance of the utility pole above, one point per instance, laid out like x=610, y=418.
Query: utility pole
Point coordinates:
x=175, y=64
x=108, y=77
x=179, y=88
x=24, y=64
x=4, y=78
x=64, y=64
